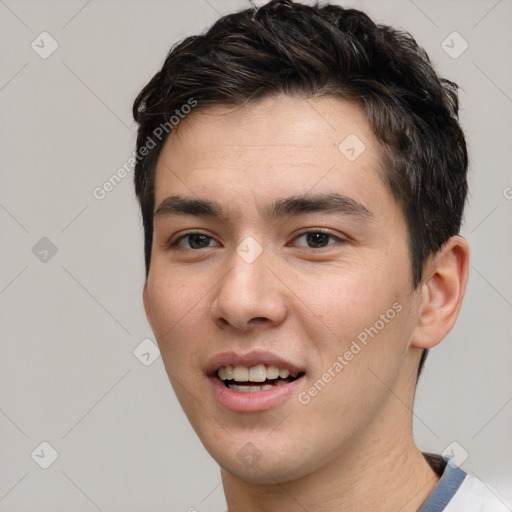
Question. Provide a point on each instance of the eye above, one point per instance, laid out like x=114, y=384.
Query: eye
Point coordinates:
x=317, y=239
x=193, y=241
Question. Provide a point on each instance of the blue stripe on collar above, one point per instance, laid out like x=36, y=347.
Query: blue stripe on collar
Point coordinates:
x=445, y=490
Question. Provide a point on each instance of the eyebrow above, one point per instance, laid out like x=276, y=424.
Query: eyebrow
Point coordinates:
x=180, y=205
x=324, y=203
x=288, y=206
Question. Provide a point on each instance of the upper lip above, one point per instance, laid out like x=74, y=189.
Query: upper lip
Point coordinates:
x=249, y=359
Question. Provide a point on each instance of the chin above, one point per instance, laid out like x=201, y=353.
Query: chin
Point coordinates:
x=268, y=473
x=266, y=466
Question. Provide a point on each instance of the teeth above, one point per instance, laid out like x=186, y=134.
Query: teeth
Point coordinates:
x=272, y=372
x=241, y=373
x=258, y=373
x=250, y=389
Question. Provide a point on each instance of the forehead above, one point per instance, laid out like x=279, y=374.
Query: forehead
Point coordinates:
x=274, y=146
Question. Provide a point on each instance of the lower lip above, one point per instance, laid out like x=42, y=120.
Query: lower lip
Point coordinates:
x=255, y=401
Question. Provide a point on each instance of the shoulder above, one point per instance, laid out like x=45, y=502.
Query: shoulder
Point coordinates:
x=474, y=495
x=457, y=491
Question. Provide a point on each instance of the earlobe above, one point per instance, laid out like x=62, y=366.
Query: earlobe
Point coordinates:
x=442, y=292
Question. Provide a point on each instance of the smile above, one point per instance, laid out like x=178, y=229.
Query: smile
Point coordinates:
x=256, y=378
x=253, y=381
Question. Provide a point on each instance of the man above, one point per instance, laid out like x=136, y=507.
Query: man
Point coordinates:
x=302, y=176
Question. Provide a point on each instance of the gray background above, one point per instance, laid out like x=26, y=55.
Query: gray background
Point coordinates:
x=70, y=321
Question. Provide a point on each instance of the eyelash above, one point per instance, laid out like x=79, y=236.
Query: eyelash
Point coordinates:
x=314, y=231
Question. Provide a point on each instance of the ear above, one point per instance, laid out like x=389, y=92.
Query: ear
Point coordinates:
x=441, y=294
x=147, y=309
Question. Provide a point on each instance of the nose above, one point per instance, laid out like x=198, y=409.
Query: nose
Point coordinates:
x=248, y=295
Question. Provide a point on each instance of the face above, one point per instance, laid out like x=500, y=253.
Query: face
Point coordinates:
x=280, y=286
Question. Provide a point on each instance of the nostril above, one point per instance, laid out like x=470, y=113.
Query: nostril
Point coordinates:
x=223, y=322
x=258, y=320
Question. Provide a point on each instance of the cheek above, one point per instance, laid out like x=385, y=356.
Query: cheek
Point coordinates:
x=355, y=370
x=178, y=309
x=346, y=300
x=358, y=324
x=173, y=295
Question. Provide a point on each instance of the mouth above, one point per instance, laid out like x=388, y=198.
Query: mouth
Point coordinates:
x=254, y=381
x=257, y=378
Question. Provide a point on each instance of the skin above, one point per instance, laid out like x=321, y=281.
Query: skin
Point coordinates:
x=351, y=447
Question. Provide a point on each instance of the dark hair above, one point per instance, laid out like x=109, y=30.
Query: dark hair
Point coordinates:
x=292, y=48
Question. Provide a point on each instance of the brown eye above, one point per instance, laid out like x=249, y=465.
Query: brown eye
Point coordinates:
x=316, y=239
x=198, y=241
x=193, y=241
